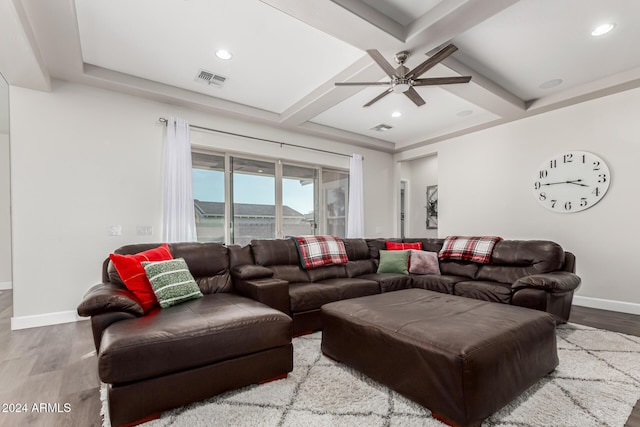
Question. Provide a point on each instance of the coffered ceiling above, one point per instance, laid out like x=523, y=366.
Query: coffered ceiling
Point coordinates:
x=287, y=54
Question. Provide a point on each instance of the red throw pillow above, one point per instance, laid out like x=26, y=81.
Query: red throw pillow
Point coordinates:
x=132, y=273
x=397, y=246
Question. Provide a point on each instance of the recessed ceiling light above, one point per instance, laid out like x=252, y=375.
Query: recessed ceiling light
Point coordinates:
x=602, y=29
x=550, y=83
x=465, y=113
x=396, y=114
x=223, y=54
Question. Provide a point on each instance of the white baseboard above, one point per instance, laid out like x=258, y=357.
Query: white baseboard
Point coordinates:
x=4, y=286
x=35, y=321
x=607, y=304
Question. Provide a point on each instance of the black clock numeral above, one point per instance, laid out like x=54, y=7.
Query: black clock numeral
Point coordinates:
x=602, y=178
x=584, y=158
x=553, y=203
x=568, y=158
x=543, y=173
x=537, y=185
x=542, y=196
x=583, y=202
x=596, y=165
x=567, y=206
x=596, y=192
x=553, y=164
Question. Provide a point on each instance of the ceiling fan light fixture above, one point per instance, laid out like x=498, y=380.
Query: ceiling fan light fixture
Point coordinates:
x=603, y=29
x=223, y=54
x=401, y=87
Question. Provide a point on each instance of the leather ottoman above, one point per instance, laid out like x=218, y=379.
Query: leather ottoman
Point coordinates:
x=461, y=358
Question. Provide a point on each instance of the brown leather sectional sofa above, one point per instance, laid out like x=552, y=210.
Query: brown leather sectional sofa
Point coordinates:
x=240, y=332
x=528, y=273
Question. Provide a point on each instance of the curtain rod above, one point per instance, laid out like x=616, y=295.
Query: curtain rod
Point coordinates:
x=164, y=121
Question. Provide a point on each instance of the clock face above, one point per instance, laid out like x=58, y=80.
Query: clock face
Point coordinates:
x=571, y=182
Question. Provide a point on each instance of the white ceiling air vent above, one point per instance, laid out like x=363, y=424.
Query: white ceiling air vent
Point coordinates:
x=381, y=127
x=209, y=78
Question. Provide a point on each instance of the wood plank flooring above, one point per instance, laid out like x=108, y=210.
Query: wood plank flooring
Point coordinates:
x=57, y=365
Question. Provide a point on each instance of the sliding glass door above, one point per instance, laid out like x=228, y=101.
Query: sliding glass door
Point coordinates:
x=209, y=196
x=299, y=200
x=335, y=185
x=253, y=184
x=262, y=199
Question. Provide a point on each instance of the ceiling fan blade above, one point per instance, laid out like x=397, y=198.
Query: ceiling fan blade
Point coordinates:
x=363, y=84
x=414, y=96
x=379, y=97
x=431, y=62
x=383, y=63
x=441, y=81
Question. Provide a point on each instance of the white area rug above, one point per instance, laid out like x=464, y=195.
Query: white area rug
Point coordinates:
x=596, y=384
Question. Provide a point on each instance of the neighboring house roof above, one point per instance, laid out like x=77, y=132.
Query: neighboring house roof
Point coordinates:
x=216, y=209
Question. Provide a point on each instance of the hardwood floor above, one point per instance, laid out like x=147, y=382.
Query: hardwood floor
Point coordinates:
x=57, y=365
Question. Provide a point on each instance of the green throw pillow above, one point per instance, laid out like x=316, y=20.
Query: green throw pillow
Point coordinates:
x=171, y=282
x=394, y=262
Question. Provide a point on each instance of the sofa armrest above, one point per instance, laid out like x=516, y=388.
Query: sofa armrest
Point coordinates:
x=271, y=292
x=109, y=298
x=251, y=272
x=559, y=281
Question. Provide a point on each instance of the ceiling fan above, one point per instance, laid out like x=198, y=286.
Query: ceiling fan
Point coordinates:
x=404, y=80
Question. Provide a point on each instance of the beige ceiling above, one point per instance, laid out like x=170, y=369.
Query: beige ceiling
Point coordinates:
x=287, y=54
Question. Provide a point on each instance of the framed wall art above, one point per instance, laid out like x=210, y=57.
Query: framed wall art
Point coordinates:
x=432, y=207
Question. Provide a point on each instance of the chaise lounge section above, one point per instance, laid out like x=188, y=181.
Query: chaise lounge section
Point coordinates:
x=173, y=356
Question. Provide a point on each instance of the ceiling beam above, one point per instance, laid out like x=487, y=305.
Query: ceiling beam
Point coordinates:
x=21, y=62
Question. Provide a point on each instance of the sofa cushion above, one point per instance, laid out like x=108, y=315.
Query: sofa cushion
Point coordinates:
x=357, y=249
x=132, y=273
x=389, y=281
x=208, y=264
x=171, y=282
x=438, y=283
x=360, y=267
x=240, y=255
x=275, y=252
x=484, y=290
x=423, y=262
x=459, y=268
x=513, y=259
x=394, y=262
x=290, y=273
x=327, y=272
x=218, y=327
x=311, y=296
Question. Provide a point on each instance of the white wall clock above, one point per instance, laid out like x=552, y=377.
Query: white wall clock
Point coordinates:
x=571, y=182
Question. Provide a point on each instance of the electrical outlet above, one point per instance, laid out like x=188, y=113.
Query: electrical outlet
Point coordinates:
x=114, y=230
x=144, y=230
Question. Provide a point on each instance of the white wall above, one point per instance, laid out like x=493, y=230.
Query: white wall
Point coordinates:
x=83, y=159
x=485, y=184
x=418, y=174
x=5, y=214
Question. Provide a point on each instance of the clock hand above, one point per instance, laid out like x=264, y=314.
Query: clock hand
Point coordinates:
x=574, y=182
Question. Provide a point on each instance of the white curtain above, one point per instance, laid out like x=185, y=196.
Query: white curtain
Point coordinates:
x=355, y=219
x=178, y=216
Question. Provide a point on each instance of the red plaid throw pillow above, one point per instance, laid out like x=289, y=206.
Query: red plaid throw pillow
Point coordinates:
x=316, y=251
x=474, y=248
x=397, y=246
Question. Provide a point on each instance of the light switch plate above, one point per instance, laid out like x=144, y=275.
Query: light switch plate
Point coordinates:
x=144, y=230
x=114, y=230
